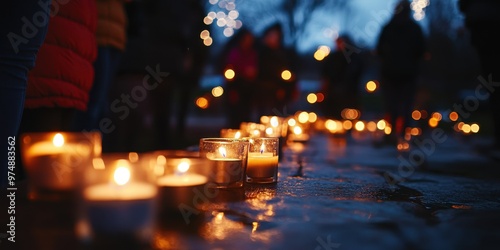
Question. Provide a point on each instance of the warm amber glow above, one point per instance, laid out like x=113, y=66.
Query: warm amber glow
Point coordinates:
x=371, y=126
x=433, y=122
x=237, y=135
x=453, y=116
x=330, y=124
x=416, y=115
x=347, y=125
x=183, y=167
x=297, y=130
x=286, y=75
x=269, y=131
x=264, y=119
x=381, y=124
x=474, y=128
x=312, y=98
x=58, y=140
x=262, y=148
x=460, y=125
x=274, y=121
x=371, y=86
x=204, y=34
x=387, y=130
x=437, y=116
x=359, y=126
x=229, y=74
x=217, y=91
x=466, y=128
x=313, y=117
x=415, y=131
x=350, y=114
x=292, y=122
x=208, y=41
x=202, y=102
x=207, y=20
x=121, y=175
x=303, y=117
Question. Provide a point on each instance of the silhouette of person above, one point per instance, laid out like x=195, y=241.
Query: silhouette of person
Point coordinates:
x=340, y=74
x=19, y=45
x=276, y=80
x=111, y=42
x=242, y=58
x=400, y=47
x=482, y=18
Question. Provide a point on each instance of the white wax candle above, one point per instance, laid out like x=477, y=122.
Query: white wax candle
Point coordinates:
x=182, y=180
x=111, y=191
x=50, y=167
x=113, y=209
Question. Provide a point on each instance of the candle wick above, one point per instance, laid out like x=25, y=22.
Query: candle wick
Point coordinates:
x=261, y=151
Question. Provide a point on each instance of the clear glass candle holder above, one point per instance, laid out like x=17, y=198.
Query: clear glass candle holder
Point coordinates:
x=263, y=158
x=227, y=159
x=53, y=160
x=118, y=198
x=183, y=184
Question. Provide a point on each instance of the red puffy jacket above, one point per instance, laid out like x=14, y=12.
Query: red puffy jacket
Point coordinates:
x=63, y=72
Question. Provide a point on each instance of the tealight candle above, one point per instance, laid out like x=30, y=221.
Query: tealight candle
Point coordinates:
x=262, y=165
x=122, y=205
x=51, y=158
x=227, y=160
x=179, y=188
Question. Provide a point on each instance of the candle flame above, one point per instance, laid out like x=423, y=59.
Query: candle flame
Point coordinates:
x=274, y=121
x=262, y=148
x=58, y=140
x=222, y=151
x=121, y=175
x=237, y=135
x=183, y=167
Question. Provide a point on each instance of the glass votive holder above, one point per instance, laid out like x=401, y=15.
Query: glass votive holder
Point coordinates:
x=52, y=161
x=231, y=133
x=118, y=198
x=262, y=165
x=227, y=160
x=252, y=129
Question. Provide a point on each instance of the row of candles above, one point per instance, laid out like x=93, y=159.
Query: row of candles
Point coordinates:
x=120, y=192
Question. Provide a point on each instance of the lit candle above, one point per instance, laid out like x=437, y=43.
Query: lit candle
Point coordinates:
x=262, y=164
x=180, y=187
x=122, y=205
x=49, y=164
x=226, y=170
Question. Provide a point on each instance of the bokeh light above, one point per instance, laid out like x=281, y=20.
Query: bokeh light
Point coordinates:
x=286, y=75
x=217, y=91
x=371, y=86
x=202, y=102
x=229, y=74
x=312, y=98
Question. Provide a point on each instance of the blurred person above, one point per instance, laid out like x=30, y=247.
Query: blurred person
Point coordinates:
x=242, y=58
x=340, y=74
x=276, y=89
x=482, y=18
x=111, y=41
x=19, y=45
x=400, y=47
x=59, y=84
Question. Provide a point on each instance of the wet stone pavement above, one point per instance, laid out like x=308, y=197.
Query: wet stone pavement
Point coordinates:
x=332, y=193
x=338, y=193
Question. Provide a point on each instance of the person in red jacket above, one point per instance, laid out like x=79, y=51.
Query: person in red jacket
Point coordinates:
x=60, y=82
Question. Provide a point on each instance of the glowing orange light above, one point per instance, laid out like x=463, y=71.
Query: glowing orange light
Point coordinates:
x=202, y=102
x=286, y=75
x=312, y=98
x=347, y=125
x=371, y=86
x=416, y=115
x=453, y=116
x=229, y=74
x=474, y=128
x=433, y=122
